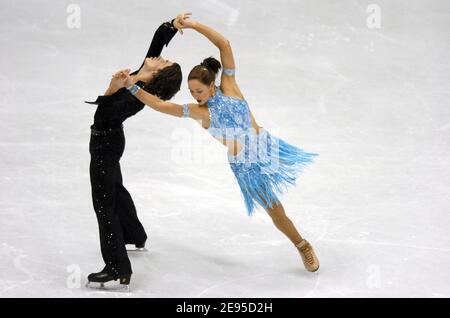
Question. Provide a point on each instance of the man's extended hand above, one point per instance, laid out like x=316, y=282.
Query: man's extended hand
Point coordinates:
x=180, y=21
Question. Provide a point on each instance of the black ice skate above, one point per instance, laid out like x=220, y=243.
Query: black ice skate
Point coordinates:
x=98, y=280
x=137, y=248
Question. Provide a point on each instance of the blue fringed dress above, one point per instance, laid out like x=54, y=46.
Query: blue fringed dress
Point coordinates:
x=266, y=165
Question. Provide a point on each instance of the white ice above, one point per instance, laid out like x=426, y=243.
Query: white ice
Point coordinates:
x=373, y=102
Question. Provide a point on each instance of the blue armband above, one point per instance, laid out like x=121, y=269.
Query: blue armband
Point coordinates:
x=185, y=110
x=229, y=71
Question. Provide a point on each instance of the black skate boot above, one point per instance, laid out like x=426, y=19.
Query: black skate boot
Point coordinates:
x=141, y=247
x=104, y=276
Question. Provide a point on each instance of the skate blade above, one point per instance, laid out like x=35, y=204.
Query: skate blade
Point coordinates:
x=111, y=288
x=137, y=249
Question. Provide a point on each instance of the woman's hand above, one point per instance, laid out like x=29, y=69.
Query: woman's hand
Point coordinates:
x=128, y=81
x=118, y=79
x=181, y=22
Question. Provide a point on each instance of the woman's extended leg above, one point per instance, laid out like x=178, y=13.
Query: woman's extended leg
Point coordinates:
x=285, y=225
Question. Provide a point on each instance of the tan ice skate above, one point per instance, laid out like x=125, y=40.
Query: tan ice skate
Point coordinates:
x=309, y=258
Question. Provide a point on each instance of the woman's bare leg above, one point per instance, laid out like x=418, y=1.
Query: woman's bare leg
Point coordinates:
x=283, y=223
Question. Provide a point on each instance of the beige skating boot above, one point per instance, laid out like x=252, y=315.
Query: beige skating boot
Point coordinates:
x=309, y=258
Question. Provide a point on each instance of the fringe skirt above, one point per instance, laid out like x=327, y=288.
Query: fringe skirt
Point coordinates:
x=265, y=168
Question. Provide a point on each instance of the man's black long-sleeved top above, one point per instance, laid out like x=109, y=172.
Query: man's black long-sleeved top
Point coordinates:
x=112, y=110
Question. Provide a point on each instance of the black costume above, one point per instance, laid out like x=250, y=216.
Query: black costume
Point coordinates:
x=115, y=210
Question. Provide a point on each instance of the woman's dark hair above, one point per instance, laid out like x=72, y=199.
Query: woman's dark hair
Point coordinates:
x=166, y=83
x=206, y=71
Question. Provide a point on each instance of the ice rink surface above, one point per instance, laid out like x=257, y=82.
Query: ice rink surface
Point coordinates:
x=373, y=102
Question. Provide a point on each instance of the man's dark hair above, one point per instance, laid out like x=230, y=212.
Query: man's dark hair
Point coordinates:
x=166, y=83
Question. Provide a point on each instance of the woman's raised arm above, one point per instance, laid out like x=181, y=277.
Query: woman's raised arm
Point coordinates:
x=228, y=80
x=224, y=46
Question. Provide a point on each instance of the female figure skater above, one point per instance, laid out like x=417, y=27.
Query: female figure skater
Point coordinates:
x=263, y=164
x=114, y=208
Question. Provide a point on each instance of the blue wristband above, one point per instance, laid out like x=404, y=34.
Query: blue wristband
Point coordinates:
x=133, y=89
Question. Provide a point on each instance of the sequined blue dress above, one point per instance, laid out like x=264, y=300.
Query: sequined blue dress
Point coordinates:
x=266, y=165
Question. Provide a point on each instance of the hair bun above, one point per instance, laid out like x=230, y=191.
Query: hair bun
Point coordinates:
x=211, y=63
